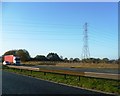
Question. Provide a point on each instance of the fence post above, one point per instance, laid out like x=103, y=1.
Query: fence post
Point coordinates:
x=79, y=78
x=31, y=71
x=65, y=76
x=44, y=73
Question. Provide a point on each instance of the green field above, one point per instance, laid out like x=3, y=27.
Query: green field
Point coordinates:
x=105, y=85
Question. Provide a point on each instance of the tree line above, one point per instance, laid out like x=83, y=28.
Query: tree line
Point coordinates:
x=25, y=56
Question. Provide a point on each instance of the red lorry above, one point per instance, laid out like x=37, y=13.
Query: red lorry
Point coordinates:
x=11, y=59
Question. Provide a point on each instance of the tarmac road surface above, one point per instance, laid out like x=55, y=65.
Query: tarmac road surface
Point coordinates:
x=17, y=84
x=101, y=70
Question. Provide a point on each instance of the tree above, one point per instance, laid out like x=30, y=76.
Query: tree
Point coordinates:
x=53, y=57
x=22, y=53
x=61, y=57
x=85, y=60
x=71, y=59
x=10, y=52
x=41, y=58
x=66, y=59
x=2, y=58
x=96, y=60
x=113, y=61
x=105, y=60
x=76, y=60
x=118, y=61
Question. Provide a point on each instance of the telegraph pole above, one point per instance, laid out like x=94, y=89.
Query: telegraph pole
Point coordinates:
x=85, y=51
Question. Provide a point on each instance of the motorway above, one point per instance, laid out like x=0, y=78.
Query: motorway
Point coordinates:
x=101, y=70
x=17, y=84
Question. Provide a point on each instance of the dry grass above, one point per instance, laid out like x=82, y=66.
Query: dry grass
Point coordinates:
x=32, y=63
x=73, y=65
x=88, y=65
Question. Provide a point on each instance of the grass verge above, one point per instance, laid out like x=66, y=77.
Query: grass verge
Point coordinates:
x=105, y=85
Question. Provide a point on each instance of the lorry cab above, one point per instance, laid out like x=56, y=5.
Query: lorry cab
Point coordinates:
x=17, y=60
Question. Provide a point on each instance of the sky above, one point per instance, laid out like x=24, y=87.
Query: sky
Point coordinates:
x=44, y=27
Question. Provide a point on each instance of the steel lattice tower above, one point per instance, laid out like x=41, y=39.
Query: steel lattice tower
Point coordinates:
x=85, y=51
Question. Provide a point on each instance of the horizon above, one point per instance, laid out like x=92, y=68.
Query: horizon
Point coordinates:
x=62, y=56
x=42, y=28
